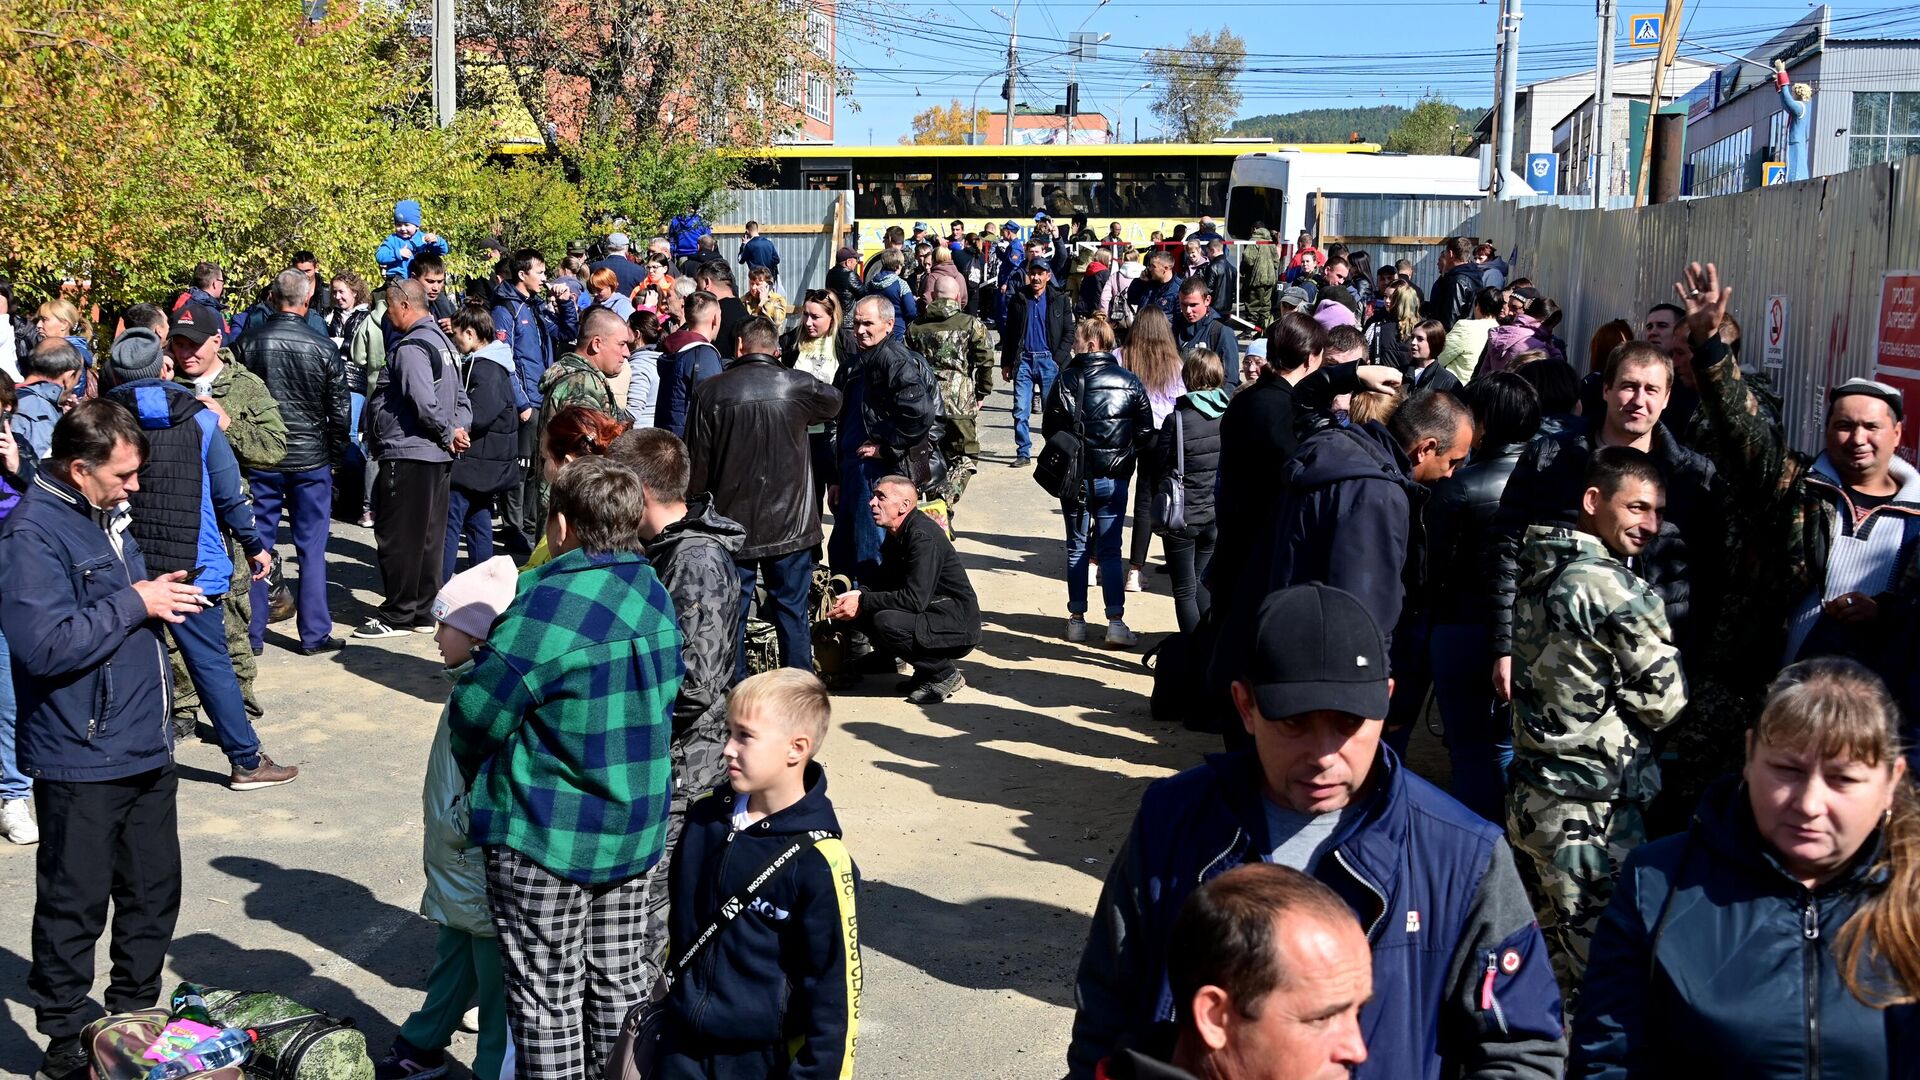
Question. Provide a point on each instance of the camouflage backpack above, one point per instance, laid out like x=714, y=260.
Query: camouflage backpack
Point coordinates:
x=763, y=646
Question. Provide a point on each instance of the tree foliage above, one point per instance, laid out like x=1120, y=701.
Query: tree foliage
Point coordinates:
x=1197, y=97
x=1372, y=124
x=946, y=125
x=1428, y=129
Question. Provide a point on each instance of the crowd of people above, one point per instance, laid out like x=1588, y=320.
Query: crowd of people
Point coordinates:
x=1671, y=654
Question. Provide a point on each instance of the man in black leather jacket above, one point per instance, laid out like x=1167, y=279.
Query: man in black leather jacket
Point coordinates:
x=1460, y=280
x=304, y=373
x=747, y=437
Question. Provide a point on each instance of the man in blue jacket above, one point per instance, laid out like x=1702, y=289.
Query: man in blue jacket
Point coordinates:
x=190, y=499
x=75, y=604
x=1462, y=985
x=536, y=334
x=757, y=250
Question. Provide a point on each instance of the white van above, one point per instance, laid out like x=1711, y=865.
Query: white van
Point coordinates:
x=1277, y=187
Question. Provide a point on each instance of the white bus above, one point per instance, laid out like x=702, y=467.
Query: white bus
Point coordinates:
x=1278, y=188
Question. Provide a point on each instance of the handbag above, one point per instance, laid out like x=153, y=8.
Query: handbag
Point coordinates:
x=1062, y=466
x=637, y=1047
x=1170, y=489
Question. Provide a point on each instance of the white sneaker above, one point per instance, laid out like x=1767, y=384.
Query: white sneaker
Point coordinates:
x=1119, y=637
x=1133, y=579
x=16, y=821
x=470, y=1020
x=1076, y=632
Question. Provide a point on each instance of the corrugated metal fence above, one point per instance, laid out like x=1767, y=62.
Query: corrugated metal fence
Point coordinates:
x=1823, y=244
x=800, y=224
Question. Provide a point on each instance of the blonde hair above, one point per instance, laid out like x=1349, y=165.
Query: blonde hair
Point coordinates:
x=1840, y=709
x=797, y=698
x=1096, y=334
x=63, y=309
x=1377, y=405
x=1405, y=309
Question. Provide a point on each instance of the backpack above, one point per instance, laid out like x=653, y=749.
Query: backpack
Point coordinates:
x=833, y=658
x=1179, y=666
x=296, y=1043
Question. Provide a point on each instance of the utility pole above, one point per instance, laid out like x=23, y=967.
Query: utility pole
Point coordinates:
x=443, y=60
x=1603, y=109
x=1013, y=64
x=1669, y=45
x=1509, y=90
x=1499, y=87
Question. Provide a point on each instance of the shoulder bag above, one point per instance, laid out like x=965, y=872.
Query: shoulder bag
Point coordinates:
x=1062, y=465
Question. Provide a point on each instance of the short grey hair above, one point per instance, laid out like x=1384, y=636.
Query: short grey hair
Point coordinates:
x=684, y=286
x=878, y=303
x=291, y=288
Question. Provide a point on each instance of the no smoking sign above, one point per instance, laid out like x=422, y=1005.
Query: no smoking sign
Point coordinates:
x=1776, y=331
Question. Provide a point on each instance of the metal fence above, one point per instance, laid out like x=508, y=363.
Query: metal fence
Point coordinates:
x=1392, y=228
x=801, y=224
x=1822, y=244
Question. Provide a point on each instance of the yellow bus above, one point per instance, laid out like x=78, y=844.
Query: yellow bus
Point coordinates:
x=1146, y=187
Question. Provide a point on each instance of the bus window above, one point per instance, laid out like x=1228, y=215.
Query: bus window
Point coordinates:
x=989, y=194
x=890, y=194
x=1152, y=193
x=825, y=181
x=1064, y=194
x=1213, y=190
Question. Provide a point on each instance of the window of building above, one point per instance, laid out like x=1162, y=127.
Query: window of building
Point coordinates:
x=1777, y=136
x=820, y=33
x=1721, y=168
x=819, y=99
x=1886, y=127
x=890, y=194
x=787, y=91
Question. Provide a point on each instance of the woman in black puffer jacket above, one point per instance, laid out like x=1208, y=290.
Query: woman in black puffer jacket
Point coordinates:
x=1106, y=404
x=1776, y=937
x=1460, y=537
x=1194, y=432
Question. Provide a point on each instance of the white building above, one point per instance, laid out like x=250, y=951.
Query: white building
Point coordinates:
x=1540, y=108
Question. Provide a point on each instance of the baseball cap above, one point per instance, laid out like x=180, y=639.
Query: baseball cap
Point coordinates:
x=1041, y=216
x=1011, y=225
x=1316, y=647
x=195, y=322
x=1869, y=388
x=618, y=242
x=920, y=226
x=1295, y=298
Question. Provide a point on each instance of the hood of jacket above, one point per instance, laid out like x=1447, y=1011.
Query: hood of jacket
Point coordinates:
x=1262, y=234
x=1365, y=452
x=884, y=279
x=680, y=339
x=1550, y=549
x=1211, y=404
x=500, y=353
x=156, y=403
x=702, y=522
x=940, y=310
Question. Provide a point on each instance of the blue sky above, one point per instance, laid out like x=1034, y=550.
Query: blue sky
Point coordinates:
x=1346, y=53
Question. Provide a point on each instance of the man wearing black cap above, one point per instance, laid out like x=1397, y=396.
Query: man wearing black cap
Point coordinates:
x=1823, y=558
x=1461, y=979
x=844, y=280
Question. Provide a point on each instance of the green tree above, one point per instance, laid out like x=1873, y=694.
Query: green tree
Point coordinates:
x=946, y=125
x=1197, y=95
x=1428, y=129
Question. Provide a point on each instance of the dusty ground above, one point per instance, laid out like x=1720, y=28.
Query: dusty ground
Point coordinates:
x=983, y=827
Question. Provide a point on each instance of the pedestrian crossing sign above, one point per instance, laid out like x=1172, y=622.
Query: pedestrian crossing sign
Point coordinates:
x=1643, y=31
x=1773, y=172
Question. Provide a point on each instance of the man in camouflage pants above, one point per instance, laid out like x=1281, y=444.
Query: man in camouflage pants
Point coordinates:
x=251, y=418
x=1595, y=674
x=956, y=347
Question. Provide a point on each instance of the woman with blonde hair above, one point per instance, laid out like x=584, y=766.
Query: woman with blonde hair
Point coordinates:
x=1389, y=334
x=59, y=318
x=1780, y=935
x=1152, y=355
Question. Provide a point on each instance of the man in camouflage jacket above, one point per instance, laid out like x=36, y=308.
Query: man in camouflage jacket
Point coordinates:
x=1595, y=674
x=957, y=348
x=580, y=377
x=251, y=420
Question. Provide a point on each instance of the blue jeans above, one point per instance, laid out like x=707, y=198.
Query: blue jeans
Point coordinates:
x=854, y=547
x=788, y=579
x=1479, y=729
x=1106, y=512
x=203, y=645
x=13, y=783
x=1035, y=373
x=308, y=499
x=471, y=516
x=1412, y=677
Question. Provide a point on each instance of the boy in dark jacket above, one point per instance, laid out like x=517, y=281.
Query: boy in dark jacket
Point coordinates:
x=777, y=993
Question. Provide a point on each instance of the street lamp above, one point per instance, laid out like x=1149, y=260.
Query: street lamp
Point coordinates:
x=1120, y=118
x=973, y=118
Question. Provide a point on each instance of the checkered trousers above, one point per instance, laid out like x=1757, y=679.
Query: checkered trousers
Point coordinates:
x=573, y=960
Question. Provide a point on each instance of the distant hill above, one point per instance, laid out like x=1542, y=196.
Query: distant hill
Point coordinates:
x=1334, y=125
